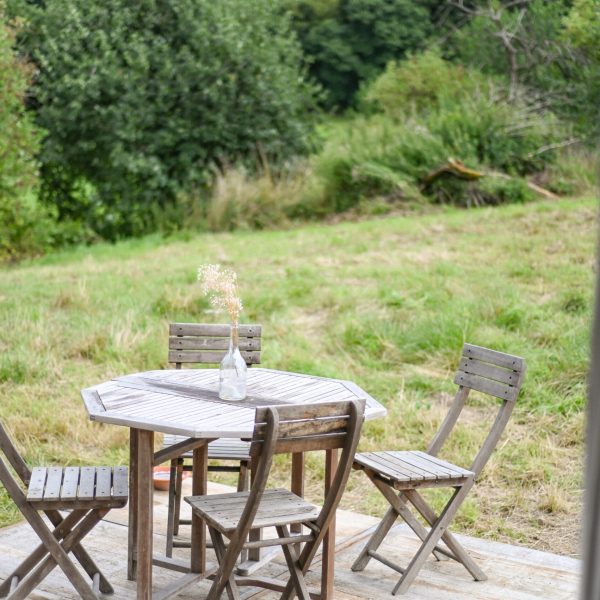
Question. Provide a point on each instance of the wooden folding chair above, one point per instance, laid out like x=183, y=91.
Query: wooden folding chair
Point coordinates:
x=493, y=373
x=283, y=429
x=203, y=343
x=87, y=492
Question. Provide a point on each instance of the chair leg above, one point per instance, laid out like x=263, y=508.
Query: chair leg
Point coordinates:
x=435, y=533
x=243, y=479
x=178, y=493
x=224, y=579
x=291, y=557
x=58, y=554
x=398, y=502
x=460, y=554
x=40, y=552
x=375, y=540
x=171, y=508
x=83, y=557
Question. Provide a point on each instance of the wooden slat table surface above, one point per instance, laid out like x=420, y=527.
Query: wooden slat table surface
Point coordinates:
x=185, y=402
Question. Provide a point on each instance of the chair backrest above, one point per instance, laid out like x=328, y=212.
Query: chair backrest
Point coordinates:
x=204, y=343
x=490, y=372
x=10, y=452
x=290, y=428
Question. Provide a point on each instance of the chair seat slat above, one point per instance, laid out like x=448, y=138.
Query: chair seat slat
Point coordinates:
x=37, y=482
x=70, y=483
x=409, y=466
x=103, y=483
x=120, y=483
x=87, y=483
x=223, y=448
x=278, y=506
x=53, y=483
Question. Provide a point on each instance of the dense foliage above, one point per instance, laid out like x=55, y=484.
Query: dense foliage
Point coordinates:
x=548, y=47
x=161, y=115
x=454, y=114
x=22, y=222
x=141, y=99
x=351, y=41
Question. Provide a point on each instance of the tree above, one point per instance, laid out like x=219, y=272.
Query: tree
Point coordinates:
x=141, y=100
x=525, y=41
x=23, y=225
x=351, y=41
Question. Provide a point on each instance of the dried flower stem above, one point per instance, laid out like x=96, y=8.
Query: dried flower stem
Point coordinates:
x=220, y=285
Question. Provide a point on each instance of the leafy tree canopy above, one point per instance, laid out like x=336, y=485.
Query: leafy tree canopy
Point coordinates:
x=140, y=99
x=351, y=41
x=22, y=222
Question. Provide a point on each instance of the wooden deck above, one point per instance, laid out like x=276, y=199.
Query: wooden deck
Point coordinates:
x=514, y=572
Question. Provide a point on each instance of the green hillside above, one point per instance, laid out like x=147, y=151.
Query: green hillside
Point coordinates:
x=385, y=302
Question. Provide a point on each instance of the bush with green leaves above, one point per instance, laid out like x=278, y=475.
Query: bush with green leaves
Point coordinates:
x=425, y=123
x=140, y=99
x=24, y=225
x=420, y=82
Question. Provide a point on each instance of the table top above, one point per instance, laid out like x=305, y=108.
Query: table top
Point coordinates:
x=186, y=401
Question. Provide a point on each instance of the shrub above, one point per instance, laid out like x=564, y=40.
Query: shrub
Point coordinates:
x=140, y=99
x=419, y=82
x=424, y=124
x=24, y=226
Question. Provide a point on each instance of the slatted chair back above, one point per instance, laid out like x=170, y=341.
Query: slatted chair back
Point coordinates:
x=204, y=343
x=285, y=429
x=490, y=372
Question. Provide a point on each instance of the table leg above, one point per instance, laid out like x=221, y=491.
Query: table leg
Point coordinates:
x=199, y=479
x=145, y=459
x=328, y=564
x=297, y=483
x=132, y=523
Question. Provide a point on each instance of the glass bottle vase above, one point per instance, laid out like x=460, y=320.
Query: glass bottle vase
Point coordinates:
x=234, y=371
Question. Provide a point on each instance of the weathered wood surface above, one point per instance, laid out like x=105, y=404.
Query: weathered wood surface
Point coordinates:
x=494, y=373
x=207, y=343
x=278, y=506
x=412, y=466
x=222, y=449
x=185, y=402
x=235, y=515
x=77, y=487
x=514, y=572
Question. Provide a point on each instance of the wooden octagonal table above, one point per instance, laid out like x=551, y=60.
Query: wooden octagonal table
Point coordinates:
x=185, y=402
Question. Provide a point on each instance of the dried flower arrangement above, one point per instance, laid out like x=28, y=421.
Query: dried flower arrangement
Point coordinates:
x=220, y=285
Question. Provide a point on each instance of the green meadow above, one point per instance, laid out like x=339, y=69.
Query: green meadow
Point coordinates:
x=386, y=302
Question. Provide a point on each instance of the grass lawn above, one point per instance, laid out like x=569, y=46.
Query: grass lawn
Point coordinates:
x=385, y=302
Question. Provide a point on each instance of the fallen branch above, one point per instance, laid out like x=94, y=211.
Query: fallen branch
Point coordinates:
x=457, y=169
